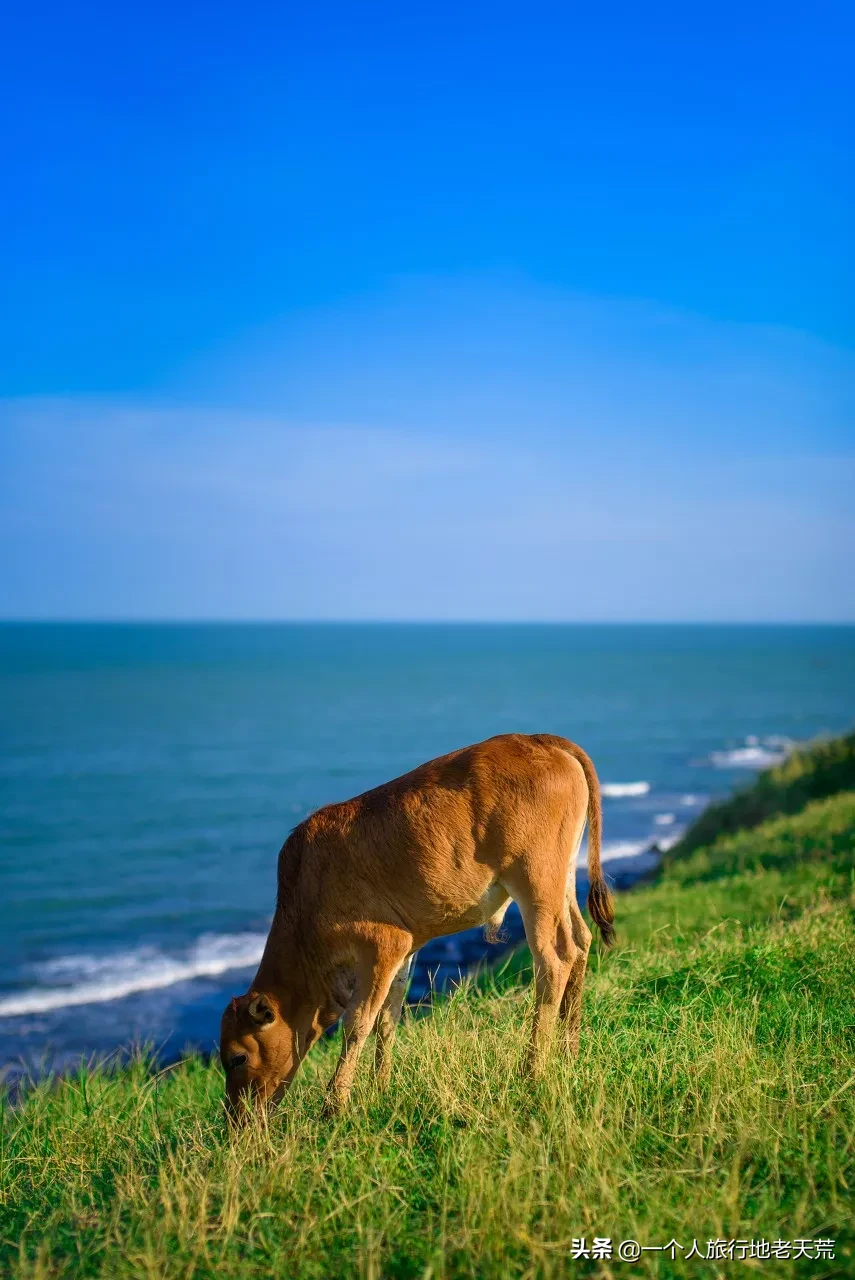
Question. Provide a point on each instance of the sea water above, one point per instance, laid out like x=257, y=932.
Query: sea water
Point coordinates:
x=149, y=774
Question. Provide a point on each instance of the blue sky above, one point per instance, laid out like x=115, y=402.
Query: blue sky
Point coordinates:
x=476, y=312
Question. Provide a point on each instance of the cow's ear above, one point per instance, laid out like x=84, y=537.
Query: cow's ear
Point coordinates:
x=261, y=1011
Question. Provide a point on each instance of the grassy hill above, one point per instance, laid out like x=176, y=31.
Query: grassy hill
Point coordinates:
x=713, y=1099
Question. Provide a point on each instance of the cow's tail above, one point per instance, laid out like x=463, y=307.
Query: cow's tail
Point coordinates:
x=600, y=903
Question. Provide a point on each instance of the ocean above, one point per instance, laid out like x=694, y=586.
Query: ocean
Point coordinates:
x=149, y=774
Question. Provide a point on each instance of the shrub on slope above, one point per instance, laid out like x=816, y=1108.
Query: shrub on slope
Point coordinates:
x=811, y=773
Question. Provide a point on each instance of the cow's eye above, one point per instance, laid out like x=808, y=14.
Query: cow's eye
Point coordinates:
x=236, y=1060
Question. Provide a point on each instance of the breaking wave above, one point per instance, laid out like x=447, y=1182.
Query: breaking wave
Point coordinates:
x=83, y=979
x=623, y=849
x=755, y=754
x=617, y=789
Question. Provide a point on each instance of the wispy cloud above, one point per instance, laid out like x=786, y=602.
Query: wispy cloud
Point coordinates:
x=449, y=451
x=501, y=354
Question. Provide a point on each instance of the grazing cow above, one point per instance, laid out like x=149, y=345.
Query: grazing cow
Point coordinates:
x=365, y=883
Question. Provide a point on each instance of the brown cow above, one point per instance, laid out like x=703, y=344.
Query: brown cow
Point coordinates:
x=365, y=883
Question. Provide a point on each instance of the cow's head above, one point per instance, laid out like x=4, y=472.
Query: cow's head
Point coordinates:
x=260, y=1051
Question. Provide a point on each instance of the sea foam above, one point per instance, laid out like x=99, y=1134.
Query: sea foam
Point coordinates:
x=750, y=757
x=623, y=849
x=617, y=789
x=95, y=979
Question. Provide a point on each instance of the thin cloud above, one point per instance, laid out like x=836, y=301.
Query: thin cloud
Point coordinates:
x=496, y=451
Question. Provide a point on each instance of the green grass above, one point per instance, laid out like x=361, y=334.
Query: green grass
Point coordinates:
x=714, y=1097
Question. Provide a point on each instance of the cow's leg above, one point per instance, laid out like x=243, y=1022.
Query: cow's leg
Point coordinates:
x=387, y=1022
x=571, y=1001
x=550, y=939
x=376, y=968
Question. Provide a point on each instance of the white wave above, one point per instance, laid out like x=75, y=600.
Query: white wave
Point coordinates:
x=613, y=849
x=756, y=753
x=750, y=757
x=96, y=979
x=664, y=819
x=623, y=849
x=625, y=788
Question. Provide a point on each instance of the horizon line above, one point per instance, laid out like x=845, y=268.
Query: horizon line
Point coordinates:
x=165, y=621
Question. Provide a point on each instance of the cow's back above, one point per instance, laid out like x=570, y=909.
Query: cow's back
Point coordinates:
x=427, y=847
